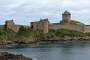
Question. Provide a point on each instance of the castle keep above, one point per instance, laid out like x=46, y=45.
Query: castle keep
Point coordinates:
x=44, y=25
x=41, y=25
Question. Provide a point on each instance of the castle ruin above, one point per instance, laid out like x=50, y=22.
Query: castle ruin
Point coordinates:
x=44, y=25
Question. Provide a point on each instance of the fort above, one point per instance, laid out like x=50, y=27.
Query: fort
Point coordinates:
x=44, y=25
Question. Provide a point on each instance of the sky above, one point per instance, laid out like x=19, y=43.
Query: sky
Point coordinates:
x=25, y=11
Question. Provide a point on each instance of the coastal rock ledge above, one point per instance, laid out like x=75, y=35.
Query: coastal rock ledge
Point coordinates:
x=9, y=56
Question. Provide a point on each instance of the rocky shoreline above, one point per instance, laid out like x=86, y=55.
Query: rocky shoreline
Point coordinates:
x=10, y=56
x=63, y=40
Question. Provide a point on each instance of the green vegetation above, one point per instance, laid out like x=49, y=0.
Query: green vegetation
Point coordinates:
x=3, y=35
x=23, y=32
x=70, y=33
x=62, y=33
x=27, y=33
x=26, y=36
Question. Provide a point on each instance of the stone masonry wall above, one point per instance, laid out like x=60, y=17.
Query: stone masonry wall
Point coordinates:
x=87, y=28
x=79, y=28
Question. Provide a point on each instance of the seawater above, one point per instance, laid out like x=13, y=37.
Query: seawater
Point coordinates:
x=54, y=51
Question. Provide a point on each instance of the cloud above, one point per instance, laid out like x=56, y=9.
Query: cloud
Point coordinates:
x=25, y=11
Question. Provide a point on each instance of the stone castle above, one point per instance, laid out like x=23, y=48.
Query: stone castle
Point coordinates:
x=11, y=26
x=44, y=25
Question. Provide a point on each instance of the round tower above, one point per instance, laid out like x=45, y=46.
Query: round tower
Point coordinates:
x=66, y=17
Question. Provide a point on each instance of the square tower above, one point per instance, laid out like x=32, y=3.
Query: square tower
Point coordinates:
x=66, y=17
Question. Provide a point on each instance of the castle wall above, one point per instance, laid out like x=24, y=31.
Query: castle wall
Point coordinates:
x=37, y=26
x=34, y=26
x=54, y=26
x=45, y=26
x=87, y=28
x=11, y=26
x=41, y=25
x=79, y=28
x=16, y=28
